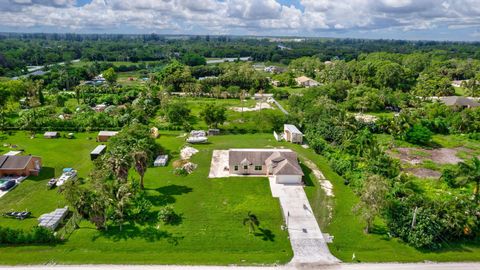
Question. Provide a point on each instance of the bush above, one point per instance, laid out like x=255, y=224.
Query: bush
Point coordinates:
x=37, y=235
x=418, y=134
x=168, y=216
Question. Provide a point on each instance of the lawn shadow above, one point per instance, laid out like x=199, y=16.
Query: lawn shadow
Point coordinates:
x=166, y=194
x=131, y=231
x=382, y=231
x=265, y=234
x=308, y=175
x=45, y=173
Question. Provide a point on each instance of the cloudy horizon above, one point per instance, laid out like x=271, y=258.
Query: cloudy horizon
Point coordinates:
x=456, y=20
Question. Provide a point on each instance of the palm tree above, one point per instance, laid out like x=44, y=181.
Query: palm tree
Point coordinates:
x=252, y=221
x=471, y=171
x=140, y=159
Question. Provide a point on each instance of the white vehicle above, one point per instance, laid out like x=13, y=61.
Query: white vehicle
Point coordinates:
x=68, y=174
x=197, y=139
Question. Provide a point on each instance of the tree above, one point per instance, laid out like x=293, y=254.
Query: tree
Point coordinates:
x=110, y=76
x=214, y=115
x=471, y=170
x=251, y=221
x=141, y=163
x=372, y=199
x=193, y=59
x=177, y=113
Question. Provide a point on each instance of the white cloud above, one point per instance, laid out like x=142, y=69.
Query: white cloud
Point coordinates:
x=240, y=16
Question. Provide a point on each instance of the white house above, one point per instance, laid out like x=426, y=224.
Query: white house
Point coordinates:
x=281, y=164
x=306, y=82
x=292, y=134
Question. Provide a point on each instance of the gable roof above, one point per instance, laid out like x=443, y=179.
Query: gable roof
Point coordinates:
x=459, y=101
x=303, y=79
x=292, y=129
x=279, y=161
x=14, y=162
x=107, y=133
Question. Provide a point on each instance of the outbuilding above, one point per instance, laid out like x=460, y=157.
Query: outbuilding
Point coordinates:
x=104, y=136
x=51, y=135
x=98, y=151
x=161, y=161
x=292, y=134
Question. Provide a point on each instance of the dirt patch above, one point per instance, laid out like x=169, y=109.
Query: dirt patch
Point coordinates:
x=424, y=173
x=324, y=183
x=259, y=106
x=416, y=156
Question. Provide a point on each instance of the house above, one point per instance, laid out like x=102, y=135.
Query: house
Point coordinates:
x=459, y=102
x=51, y=135
x=292, y=134
x=98, y=151
x=100, y=107
x=274, y=69
x=276, y=83
x=103, y=136
x=20, y=165
x=306, y=82
x=458, y=83
x=281, y=164
x=161, y=161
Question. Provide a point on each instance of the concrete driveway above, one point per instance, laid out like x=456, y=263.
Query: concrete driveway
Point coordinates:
x=308, y=244
x=218, y=164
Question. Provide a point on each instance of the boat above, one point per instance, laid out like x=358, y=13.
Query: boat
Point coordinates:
x=197, y=139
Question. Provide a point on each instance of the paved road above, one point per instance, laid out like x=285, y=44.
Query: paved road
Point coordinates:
x=308, y=243
x=388, y=266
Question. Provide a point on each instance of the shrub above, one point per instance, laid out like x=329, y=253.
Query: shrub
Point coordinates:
x=418, y=134
x=37, y=235
x=167, y=215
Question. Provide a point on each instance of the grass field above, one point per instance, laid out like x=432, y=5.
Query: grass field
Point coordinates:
x=211, y=231
x=212, y=210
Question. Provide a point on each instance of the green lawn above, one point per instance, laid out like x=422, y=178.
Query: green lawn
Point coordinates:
x=211, y=230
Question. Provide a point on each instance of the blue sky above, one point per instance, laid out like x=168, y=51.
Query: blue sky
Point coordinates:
x=389, y=19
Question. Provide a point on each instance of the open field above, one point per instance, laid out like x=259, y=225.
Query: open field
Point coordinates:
x=211, y=231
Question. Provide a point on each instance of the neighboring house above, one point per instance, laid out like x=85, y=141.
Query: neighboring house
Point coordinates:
x=98, y=151
x=274, y=69
x=459, y=102
x=103, y=136
x=51, y=135
x=281, y=164
x=276, y=83
x=20, y=165
x=292, y=134
x=100, y=107
x=306, y=82
x=458, y=83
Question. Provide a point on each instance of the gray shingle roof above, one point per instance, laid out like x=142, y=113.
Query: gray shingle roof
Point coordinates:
x=281, y=161
x=459, y=101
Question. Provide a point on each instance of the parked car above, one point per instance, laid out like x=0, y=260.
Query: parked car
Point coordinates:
x=7, y=185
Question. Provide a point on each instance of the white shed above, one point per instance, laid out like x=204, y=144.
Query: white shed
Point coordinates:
x=292, y=134
x=161, y=161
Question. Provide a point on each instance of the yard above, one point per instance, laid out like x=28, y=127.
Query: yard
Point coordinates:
x=212, y=210
x=211, y=231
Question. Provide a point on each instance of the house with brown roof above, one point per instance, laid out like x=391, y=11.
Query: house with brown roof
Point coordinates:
x=281, y=164
x=20, y=165
x=306, y=81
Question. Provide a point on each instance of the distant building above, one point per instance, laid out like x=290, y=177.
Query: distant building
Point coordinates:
x=281, y=164
x=459, y=102
x=458, y=83
x=103, y=136
x=274, y=69
x=51, y=135
x=306, y=82
x=20, y=165
x=292, y=134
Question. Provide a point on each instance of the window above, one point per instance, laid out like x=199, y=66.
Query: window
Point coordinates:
x=235, y=168
x=258, y=168
x=245, y=167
